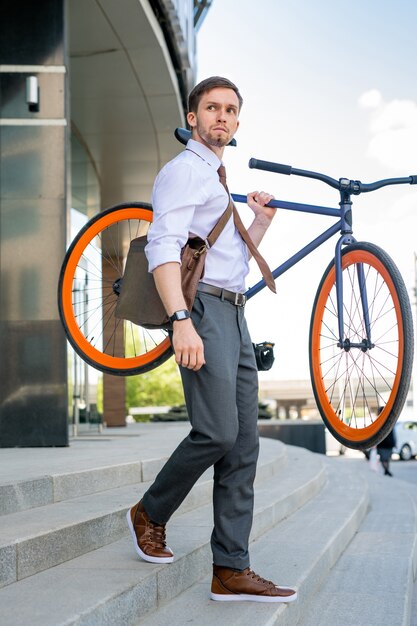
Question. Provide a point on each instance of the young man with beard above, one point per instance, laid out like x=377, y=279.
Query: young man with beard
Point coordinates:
x=212, y=347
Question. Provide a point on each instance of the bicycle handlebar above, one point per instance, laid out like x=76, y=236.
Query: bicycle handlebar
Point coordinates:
x=364, y=187
x=343, y=184
x=268, y=166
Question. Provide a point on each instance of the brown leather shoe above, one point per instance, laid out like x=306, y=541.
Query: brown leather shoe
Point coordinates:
x=148, y=536
x=229, y=585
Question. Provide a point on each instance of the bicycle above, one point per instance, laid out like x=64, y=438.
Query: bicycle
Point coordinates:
x=361, y=330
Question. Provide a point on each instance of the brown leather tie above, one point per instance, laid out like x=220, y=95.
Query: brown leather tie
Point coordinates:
x=262, y=264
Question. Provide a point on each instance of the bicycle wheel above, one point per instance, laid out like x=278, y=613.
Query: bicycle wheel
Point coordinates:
x=360, y=391
x=89, y=285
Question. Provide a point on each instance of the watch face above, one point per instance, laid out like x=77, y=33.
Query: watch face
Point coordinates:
x=180, y=315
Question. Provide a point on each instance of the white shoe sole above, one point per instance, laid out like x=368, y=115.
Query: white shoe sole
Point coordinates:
x=243, y=597
x=145, y=557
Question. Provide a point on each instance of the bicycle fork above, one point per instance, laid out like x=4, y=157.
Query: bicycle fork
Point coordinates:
x=348, y=239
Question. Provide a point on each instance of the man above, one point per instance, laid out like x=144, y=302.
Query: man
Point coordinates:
x=213, y=349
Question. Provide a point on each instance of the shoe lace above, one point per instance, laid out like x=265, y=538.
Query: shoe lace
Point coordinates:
x=157, y=534
x=258, y=578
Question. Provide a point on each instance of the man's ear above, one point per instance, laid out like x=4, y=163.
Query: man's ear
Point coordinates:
x=192, y=119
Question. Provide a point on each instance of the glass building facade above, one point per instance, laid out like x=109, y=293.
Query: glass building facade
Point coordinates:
x=90, y=94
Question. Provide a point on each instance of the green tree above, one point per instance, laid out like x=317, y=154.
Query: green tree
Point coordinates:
x=159, y=387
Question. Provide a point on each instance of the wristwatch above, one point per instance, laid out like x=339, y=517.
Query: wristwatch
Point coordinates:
x=180, y=315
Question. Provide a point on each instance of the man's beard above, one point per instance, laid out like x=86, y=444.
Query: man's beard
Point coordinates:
x=218, y=142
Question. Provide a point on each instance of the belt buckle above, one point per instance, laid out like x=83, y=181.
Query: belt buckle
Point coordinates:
x=240, y=299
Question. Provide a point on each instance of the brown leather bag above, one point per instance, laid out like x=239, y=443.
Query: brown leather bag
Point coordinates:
x=139, y=301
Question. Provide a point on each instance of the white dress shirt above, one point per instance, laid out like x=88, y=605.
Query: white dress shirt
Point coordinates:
x=188, y=199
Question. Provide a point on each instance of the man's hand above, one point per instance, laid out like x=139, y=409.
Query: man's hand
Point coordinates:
x=257, y=201
x=188, y=346
x=263, y=215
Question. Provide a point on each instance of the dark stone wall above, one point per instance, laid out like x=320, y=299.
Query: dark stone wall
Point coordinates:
x=305, y=434
x=33, y=210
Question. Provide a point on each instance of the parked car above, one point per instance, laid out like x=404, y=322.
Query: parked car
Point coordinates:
x=406, y=434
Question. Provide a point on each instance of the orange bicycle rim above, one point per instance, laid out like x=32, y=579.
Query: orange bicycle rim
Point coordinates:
x=354, y=434
x=107, y=361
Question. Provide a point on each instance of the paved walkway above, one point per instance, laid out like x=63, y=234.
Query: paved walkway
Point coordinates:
x=406, y=471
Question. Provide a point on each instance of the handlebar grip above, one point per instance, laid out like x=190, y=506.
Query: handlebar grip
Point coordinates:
x=413, y=180
x=268, y=166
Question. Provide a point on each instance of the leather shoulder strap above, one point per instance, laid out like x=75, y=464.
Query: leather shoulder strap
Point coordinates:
x=224, y=218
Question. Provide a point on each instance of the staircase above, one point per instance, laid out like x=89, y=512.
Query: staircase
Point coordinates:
x=319, y=525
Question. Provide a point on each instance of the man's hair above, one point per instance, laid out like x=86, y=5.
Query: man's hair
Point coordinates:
x=207, y=85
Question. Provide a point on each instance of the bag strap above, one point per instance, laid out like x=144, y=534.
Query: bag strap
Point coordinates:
x=217, y=229
x=224, y=218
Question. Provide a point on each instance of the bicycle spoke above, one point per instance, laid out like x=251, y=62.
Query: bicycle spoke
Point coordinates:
x=103, y=302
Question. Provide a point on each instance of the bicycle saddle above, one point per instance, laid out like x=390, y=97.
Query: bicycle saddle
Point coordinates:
x=183, y=135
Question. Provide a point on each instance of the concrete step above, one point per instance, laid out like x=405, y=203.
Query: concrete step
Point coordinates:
x=298, y=552
x=92, y=464
x=372, y=583
x=35, y=540
x=86, y=472
x=111, y=585
x=28, y=494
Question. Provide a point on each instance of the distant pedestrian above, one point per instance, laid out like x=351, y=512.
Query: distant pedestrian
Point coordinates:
x=384, y=450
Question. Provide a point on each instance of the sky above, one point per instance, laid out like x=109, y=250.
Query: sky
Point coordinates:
x=328, y=86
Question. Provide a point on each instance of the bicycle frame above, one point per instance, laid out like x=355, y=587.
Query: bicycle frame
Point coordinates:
x=344, y=226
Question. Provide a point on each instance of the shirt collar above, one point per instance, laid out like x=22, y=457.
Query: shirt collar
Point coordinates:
x=205, y=153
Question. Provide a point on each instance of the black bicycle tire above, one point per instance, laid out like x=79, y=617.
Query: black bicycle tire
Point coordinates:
x=408, y=337
x=109, y=370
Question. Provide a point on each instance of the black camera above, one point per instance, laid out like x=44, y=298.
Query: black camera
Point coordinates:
x=264, y=354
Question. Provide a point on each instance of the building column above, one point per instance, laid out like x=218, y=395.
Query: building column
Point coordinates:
x=33, y=214
x=114, y=387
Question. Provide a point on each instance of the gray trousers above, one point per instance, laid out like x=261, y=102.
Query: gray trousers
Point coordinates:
x=222, y=403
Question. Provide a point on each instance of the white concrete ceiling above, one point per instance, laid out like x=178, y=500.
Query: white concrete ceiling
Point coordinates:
x=124, y=97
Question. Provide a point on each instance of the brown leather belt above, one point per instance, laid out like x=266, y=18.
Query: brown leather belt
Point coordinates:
x=239, y=299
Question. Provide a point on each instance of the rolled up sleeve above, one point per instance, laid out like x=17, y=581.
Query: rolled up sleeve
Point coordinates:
x=176, y=193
